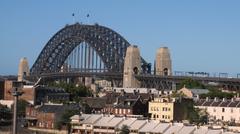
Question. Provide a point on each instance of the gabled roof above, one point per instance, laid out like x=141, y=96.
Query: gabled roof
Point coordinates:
x=161, y=127
x=127, y=121
x=187, y=130
x=173, y=129
x=215, y=103
x=127, y=103
x=91, y=118
x=95, y=102
x=112, y=96
x=103, y=121
x=57, y=108
x=199, y=91
x=218, y=103
x=137, y=124
x=148, y=127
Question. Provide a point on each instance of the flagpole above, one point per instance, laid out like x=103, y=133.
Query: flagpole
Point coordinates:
x=74, y=20
x=88, y=18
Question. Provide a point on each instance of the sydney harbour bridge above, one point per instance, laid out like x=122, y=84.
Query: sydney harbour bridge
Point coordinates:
x=95, y=51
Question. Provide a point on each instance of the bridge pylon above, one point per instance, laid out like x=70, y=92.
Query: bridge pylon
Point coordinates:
x=132, y=66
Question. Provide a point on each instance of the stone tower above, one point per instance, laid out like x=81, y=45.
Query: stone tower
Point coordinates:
x=163, y=62
x=132, y=65
x=23, y=69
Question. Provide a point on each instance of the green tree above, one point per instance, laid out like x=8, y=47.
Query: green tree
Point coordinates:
x=5, y=113
x=76, y=92
x=124, y=130
x=22, y=104
x=190, y=83
x=189, y=112
x=215, y=92
x=65, y=119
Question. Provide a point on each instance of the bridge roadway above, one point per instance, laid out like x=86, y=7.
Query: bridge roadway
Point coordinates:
x=180, y=78
x=103, y=75
x=166, y=82
x=145, y=78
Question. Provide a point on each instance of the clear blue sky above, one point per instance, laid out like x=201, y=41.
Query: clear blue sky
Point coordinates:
x=202, y=35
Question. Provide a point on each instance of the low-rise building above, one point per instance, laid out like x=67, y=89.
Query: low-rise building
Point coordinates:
x=93, y=104
x=192, y=93
x=99, y=123
x=126, y=103
x=28, y=92
x=1, y=88
x=50, y=95
x=221, y=109
x=167, y=109
x=46, y=116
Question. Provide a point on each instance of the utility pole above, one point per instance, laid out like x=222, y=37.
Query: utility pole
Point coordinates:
x=16, y=92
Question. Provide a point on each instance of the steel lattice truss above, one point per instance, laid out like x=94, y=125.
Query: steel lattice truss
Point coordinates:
x=108, y=44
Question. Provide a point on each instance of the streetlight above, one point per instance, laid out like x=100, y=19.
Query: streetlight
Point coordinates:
x=16, y=91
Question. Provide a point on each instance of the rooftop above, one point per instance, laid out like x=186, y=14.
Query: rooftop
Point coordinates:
x=218, y=103
x=145, y=126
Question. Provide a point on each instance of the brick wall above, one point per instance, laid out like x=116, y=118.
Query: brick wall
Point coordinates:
x=28, y=95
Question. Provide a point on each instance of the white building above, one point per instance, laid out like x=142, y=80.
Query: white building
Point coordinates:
x=108, y=124
x=222, y=110
x=143, y=90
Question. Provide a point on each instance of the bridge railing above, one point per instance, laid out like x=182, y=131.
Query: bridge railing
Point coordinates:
x=204, y=74
x=84, y=70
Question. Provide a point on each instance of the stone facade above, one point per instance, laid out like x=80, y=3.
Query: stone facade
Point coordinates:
x=163, y=62
x=23, y=69
x=221, y=109
x=132, y=65
x=28, y=92
x=167, y=109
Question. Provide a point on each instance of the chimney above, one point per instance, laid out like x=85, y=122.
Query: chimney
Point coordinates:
x=215, y=99
x=134, y=92
x=197, y=97
x=122, y=92
x=207, y=99
x=117, y=100
x=224, y=99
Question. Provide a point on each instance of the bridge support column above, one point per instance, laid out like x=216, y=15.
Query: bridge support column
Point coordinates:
x=132, y=66
x=116, y=83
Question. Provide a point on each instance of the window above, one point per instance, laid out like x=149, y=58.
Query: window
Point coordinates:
x=214, y=110
x=169, y=109
x=154, y=116
x=223, y=109
x=168, y=116
x=222, y=117
x=163, y=116
x=231, y=110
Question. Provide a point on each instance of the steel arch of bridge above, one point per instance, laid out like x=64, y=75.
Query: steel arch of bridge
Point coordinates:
x=108, y=44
